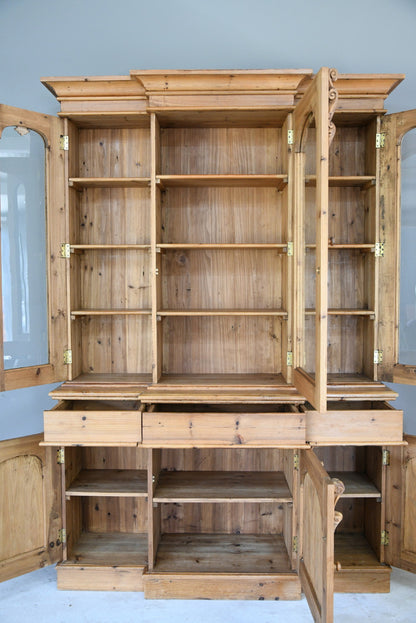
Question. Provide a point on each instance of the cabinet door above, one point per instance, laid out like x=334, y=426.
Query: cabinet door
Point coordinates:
x=33, y=226
x=30, y=506
x=316, y=566
x=312, y=133
x=397, y=232
x=401, y=506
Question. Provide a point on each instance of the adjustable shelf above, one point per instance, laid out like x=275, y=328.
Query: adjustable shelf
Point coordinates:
x=109, y=483
x=109, y=247
x=357, y=485
x=223, y=181
x=111, y=312
x=341, y=181
x=222, y=312
x=79, y=183
x=278, y=246
x=219, y=487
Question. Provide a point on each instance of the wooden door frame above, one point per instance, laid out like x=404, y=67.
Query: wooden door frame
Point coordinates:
x=394, y=127
x=50, y=129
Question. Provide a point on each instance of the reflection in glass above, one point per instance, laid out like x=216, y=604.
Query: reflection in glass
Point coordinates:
x=407, y=354
x=23, y=248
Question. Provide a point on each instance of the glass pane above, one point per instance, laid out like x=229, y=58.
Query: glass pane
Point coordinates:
x=23, y=248
x=407, y=352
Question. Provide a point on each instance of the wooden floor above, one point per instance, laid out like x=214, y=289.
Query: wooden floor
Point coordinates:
x=222, y=553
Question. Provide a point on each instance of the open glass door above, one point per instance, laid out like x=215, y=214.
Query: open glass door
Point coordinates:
x=311, y=140
x=33, y=225
x=317, y=521
x=397, y=301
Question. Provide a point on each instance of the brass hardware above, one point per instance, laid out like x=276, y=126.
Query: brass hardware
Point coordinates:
x=64, y=142
x=386, y=457
x=378, y=356
x=68, y=356
x=295, y=544
x=385, y=539
x=65, y=250
x=60, y=456
x=296, y=461
x=379, y=249
x=380, y=139
x=290, y=137
x=62, y=535
x=290, y=248
x=289, y=358
x=156, y=272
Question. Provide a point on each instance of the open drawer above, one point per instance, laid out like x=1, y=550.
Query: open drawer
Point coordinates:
x=364, y=422
x=90, y=422
x=210, y=425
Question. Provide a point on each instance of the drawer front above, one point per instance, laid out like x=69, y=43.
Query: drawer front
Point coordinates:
x=370, y=427
x=100, y=427
x=223, y=429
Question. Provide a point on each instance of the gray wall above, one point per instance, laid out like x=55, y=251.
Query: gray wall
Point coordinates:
x=105, y=37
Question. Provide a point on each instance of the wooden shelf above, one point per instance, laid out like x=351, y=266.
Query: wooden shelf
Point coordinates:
x=220, y=487
x=342, y=181
x=344, y=312
x=368, y=247
x=222, y=312
x=352, y=551
x=184, y=117
x=80, y=183
x=109, y=549
x=280, y=247
x=111, y=312
x=357, y=485
x=110, y=247
x=109, y=483
x=222, y=553
x=234, y=181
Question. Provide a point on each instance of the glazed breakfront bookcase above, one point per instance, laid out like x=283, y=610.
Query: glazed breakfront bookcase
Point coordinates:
x=223, y=310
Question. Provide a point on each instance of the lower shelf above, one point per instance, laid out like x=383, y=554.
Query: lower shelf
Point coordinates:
x=358, y=569
x=109, y=548
x=222, y=553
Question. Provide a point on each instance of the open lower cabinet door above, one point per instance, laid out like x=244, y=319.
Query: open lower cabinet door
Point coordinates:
x=316, y=564
x=401, y=506
x=30, y=506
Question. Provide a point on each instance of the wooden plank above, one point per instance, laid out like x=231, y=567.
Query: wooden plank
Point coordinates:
x=374, y=427
x=223, y=429
x=340, y=181
x=218, y=487
x=110, y=549
x=93, y=578
x=222, y=312
x=227, y=181
x=222, y=553
x=273, y=586
x=78, y=183
x=84, y=425
x=232, y=245
x=109, y=482
x=111, y=312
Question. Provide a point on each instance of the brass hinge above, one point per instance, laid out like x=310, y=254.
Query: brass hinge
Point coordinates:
x=289, y=248
x=289, y=358
x=62, y=535
x=385, y=539
x=65, y=250
x=64, y=142
x=60, y=456
x=290, y=137
x=386, y=457
x=296, y=461
x=379, y=249
x=68, y=356
x=295, y=544
x=378, y=356
x=156, y=272
x=380, y=139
